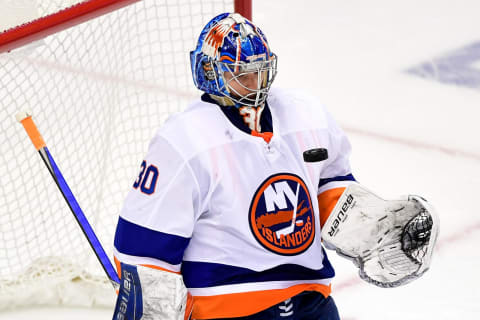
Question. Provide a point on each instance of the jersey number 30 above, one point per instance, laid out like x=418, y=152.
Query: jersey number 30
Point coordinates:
x=147, y=179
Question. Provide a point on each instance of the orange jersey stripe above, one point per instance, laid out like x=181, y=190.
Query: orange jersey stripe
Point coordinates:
x=158, y=268
x=189, y=307
x=119, y=271
x=327, y=201
x=119, y=267
x=248, y=303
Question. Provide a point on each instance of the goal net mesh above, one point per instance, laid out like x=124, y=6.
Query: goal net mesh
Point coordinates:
x=98, y=92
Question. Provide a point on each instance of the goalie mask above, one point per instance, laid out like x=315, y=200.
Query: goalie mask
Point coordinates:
x=232, y=59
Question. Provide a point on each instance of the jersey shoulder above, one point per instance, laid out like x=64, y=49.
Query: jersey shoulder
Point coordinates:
x=199, y=127
x=298, y=110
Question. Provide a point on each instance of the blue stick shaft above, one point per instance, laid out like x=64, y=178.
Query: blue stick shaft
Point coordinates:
x=79, y=216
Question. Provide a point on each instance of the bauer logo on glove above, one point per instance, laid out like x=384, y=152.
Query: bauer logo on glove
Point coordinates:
x=340, y=216
x=391, y=241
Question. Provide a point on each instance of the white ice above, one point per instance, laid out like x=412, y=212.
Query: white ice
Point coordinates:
x=409, y=135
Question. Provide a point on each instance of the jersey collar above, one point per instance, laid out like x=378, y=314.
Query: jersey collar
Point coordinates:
x=231, y=112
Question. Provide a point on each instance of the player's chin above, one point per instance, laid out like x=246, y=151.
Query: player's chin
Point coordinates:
x=240, y=94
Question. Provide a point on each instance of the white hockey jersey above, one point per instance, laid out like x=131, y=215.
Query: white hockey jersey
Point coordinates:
x=237, y=216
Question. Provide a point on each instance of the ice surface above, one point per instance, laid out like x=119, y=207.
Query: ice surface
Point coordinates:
x=410, y=134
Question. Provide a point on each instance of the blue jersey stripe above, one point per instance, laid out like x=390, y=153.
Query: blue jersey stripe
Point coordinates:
x=348, y=177
x=136, y=240
x=204, y=274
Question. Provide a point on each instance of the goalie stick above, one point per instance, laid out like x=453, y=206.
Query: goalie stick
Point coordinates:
x=25, y=118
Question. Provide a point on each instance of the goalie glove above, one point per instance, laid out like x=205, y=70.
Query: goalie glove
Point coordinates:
x=390, y=241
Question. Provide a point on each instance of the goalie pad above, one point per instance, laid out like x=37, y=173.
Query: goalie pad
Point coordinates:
x=390, y=241
x=148, y=294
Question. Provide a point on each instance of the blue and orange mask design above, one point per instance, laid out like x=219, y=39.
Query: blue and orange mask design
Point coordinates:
x=230, y=48
x=281, y=215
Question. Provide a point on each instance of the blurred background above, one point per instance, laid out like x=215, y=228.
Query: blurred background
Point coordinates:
x=403, y=80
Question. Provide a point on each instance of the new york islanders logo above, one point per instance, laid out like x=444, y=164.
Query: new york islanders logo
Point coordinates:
x=281, y=215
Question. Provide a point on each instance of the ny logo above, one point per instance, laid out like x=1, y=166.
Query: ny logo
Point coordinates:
x=278, y=196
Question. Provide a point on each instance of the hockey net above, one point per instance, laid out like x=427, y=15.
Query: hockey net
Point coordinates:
x=98, y=92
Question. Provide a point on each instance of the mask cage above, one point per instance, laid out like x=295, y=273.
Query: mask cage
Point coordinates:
x=266, y=72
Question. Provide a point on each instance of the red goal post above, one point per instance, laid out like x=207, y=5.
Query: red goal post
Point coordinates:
x=100, y=76
x=30, y=31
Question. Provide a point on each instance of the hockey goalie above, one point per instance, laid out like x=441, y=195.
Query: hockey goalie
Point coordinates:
x=233, y=205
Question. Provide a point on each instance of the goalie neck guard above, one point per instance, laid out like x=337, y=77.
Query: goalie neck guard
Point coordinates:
x=230, y=50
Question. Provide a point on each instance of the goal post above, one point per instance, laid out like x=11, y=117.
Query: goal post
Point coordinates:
x=101, y=77
x=55, y=22
x=30, y=31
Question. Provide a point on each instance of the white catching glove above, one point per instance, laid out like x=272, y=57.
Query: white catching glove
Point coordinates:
x=391, y=241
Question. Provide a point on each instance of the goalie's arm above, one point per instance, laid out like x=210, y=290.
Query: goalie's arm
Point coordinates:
x=153, y=232
x=336, y=173
x=330, y=193
x=148, y=262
